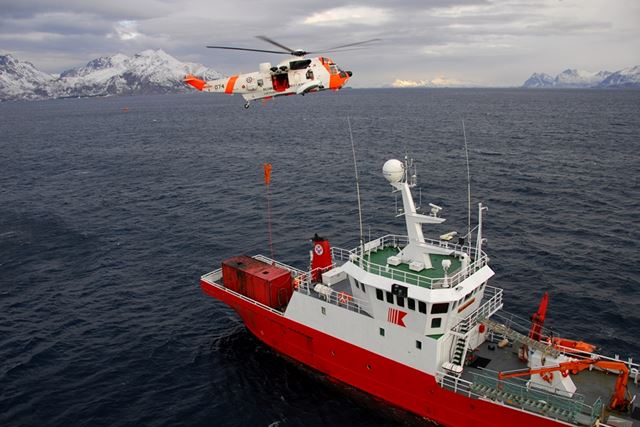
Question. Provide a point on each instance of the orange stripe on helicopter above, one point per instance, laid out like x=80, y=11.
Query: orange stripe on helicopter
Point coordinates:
x=230, y=83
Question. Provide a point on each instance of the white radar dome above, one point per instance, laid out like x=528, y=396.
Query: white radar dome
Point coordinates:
x=393, y=170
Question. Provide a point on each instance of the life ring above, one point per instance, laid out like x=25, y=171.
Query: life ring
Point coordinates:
x=547, y=376
x=344, y=297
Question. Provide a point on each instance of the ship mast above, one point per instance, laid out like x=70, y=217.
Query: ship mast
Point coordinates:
x=396, y=172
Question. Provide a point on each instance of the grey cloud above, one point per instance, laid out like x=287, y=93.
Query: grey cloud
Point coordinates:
x=80, y=29
x=139, y=9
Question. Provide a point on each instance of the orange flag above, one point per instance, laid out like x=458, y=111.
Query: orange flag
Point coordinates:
x=267, y=173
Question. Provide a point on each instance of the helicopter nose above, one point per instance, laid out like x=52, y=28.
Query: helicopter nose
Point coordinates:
x=349, y=73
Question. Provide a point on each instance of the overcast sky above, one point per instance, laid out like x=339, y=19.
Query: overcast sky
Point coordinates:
x=483, y=42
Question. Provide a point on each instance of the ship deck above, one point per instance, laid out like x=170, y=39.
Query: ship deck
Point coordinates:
x=592, y=384
x=379, y=256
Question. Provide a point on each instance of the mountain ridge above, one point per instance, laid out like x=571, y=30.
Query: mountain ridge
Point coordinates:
x=146, y=72
x=574, y=78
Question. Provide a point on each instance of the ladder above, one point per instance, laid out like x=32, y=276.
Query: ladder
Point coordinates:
x=460, y=347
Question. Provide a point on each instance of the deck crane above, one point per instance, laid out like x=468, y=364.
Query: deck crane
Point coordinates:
x=536, y=332
x=619, y=400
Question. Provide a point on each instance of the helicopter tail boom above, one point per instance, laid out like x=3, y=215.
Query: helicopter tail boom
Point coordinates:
x=194, y=81
x=224, y=85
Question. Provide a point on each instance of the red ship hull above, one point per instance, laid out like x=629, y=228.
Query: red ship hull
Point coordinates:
x=398, y=384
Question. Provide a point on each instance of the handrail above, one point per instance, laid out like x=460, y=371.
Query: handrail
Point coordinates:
x=268, y=260
x=508, y=319
x=490, y=307
x=304, y=284
x=397, y=240
x=339, y=299
x=355, y=255
x=210, y=278
x=484, y=386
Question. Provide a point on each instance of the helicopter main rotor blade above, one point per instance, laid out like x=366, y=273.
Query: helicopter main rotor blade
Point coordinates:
x=275, y=43
x=353, y=44
x=250, y=50
x=315, y=52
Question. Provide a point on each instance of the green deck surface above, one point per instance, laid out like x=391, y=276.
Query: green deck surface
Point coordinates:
x=380, y=256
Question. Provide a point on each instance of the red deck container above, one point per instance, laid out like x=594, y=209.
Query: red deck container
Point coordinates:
x=262, y=282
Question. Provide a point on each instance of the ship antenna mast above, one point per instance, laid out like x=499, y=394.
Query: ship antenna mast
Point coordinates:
x=355, y=166
x=267, y=181
x=466, y=151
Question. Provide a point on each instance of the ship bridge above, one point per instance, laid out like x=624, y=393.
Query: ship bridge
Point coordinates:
x=427, y=287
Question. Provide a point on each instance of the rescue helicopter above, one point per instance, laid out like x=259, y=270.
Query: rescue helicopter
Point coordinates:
x=296, y=76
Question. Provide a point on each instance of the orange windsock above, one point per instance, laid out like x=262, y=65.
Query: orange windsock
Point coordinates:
x=267, y=173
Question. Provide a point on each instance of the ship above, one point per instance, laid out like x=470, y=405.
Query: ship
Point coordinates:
x=414, y=322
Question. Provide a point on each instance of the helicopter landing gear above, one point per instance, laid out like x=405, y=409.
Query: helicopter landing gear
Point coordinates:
x=246, y=105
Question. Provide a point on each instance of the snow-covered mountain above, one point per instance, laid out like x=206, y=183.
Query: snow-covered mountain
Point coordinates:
x=147, y=72
x=628, y=77
x=21, y=80
x=539, y=80
x=438, y=82
x=572, y=78
x=578, y=78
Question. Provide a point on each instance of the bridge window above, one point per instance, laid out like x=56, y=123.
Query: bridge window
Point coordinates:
x=389, y=297
x=379, y=294
x=411, y=303
x=419, y=345
x=436, y=322
x=400, y=300
x=381, y=330
x=362, y=286
x=440, y=308
x=324, y=310
x=422, y=307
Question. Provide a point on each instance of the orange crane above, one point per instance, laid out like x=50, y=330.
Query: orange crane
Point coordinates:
x=619, y=400
x=536, y=333
x=537, y=322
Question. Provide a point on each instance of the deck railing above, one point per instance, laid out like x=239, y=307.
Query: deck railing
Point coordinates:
x=493, y=304
x=306, y=282
x=522, y=325
x=396, y=241
x=516, y=393
x=215, y=276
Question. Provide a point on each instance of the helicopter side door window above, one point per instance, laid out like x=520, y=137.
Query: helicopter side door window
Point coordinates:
x=309, y=74
x=260, y=82
x=299, y=65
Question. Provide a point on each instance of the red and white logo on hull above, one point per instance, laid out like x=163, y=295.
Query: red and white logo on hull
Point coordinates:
x=395, y=316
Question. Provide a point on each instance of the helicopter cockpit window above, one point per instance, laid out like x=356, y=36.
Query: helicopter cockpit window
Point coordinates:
x=299, y=65
x=333, y=68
